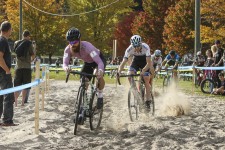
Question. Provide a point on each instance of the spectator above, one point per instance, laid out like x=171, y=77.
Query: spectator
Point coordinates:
x=23, y=64
x=209, y=60
x=221, y=89
x=75, y=61
x=214, y=49
x=218, y=56
x=57, y=62
x=6, y=101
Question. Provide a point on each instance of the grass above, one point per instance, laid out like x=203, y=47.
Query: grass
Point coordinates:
x=185, y=86
x=188, y=88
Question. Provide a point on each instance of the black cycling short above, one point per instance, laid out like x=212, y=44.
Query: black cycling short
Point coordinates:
x=154, y=66
x=22, y=76
x=138, y=63
x=90, y=67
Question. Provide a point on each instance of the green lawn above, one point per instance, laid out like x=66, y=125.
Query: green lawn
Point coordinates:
x=185, y=86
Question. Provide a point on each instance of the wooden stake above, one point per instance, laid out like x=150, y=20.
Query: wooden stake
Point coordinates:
x=36, y=111
x=43, y=87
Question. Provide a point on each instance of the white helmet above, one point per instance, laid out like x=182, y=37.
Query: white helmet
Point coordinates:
x=158, y=53
x=199, y=53
x=135, y=40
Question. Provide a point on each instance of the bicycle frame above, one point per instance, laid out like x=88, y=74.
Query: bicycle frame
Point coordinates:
x=138, y=94
x=84, y=103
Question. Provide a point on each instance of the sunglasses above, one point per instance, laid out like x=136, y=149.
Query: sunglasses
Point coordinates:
x=74, y=42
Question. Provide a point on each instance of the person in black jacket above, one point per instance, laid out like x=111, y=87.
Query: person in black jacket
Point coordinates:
x=7, y=100
x=23, y=65
x=217, y=63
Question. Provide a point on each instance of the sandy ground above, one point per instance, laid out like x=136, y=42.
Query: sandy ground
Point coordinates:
x=202, y=126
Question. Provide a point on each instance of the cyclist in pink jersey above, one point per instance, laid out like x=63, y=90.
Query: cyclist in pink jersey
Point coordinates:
x=91, y=56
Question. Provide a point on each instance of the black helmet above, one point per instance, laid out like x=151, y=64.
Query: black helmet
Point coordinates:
x=73, y=34
x=172, y=52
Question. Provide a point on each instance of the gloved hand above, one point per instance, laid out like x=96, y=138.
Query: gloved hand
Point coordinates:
x=100, y=74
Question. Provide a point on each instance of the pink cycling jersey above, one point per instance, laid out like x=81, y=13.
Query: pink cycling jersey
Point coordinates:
x=88, y=53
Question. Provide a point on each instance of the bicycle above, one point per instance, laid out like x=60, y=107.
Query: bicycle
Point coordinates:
x=198, y=78
x=85, y=103
x=208, y=83
x=136, y=97
x=167, y=79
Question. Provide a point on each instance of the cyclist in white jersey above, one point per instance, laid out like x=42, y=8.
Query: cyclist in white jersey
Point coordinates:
x=157, y=62
x=141, y=60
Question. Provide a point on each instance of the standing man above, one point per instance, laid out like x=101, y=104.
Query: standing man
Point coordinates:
x=217, y=63
x=6, y=101
x=24, y=56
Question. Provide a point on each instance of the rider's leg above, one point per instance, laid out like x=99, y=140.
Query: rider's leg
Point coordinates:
x=175, y=75
x=100, y=84
x=147, y=87
x=130, y=72
x=151, y=80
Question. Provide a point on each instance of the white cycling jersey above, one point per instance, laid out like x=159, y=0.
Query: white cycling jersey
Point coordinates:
x=156, y=60
x=145, y=51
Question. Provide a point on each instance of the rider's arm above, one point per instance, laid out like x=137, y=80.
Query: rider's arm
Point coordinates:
x=66, y=58
x=98, y=60
x=148, y=60
x=125, y=59
x=164, y=61
x=122, y=64
x=159, y=63
x=177, y=59
x=148, y=64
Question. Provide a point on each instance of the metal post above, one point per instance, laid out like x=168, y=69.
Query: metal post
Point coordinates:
x=197, y=26
x=115, y=48
x=197, y=35
x=21, y=20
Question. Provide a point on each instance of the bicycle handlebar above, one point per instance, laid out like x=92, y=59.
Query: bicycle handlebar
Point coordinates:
x=129, y=75
x=80, y=73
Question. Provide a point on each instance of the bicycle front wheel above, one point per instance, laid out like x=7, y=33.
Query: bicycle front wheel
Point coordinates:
x=78, y=106
x=95, y=114
x=165, y=83
x=132, y=105
x=207, y=86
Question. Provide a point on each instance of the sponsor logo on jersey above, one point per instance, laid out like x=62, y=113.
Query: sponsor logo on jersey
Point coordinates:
x=93, y=54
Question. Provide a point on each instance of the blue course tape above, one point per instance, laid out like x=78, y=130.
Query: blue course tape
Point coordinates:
x=211, y=68
x=21, y=87
x=206, y=68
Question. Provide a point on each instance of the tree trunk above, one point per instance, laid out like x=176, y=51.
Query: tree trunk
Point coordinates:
x=50, y=59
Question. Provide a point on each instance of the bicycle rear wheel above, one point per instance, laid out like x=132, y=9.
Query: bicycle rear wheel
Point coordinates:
x=95, y=114
x=152, y=105
x=78, y=108
x=207, y=86
x=132, y=105
x=165, y=83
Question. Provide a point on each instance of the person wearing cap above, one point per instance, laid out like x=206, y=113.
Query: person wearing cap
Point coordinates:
x=6, y=101
x=217, y=61
x=23, y=65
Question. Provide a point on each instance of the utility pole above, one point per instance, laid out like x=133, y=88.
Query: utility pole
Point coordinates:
x=197, y=26
x=21, y=20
